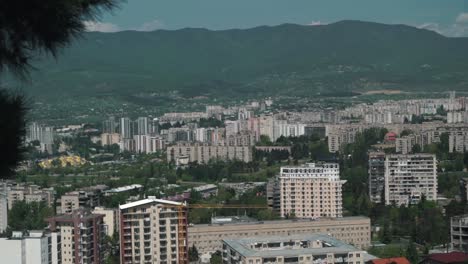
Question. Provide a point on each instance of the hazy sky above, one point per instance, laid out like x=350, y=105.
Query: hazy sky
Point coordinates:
x=449, y=17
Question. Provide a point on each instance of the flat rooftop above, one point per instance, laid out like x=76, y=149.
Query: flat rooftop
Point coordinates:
x=291, y=246
x=286, y=221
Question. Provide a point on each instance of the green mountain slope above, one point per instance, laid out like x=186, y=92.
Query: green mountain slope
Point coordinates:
x=287, y=59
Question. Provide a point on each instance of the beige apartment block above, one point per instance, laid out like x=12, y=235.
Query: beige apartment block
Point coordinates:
x=82, y=237
x=311, y=191
x=352, y=230
x=110, y=139
x=153, y=231
x=111, y=219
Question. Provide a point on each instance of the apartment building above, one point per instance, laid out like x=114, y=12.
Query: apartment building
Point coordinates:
x=203, y=153
x=273, y=194
x=30, y=193
x=108, y=139
x=77, y=199
x=405, y=144
x=3, y=208
x=87, y=197
x=81, y=234
x=311, y=191
x=243, y=138
x=376, y=176
x=459, y=233
x=148, y=144
x=153, y=231
x=302, y=249
x=30, y=247
x=353, y=230
x=458, y=142
x=111, y=219
x=409, y=177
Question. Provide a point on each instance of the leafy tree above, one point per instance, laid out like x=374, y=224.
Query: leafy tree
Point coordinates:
x=386, y=233
x=28, y=216
x=216, y=258
x=416, y=148
x=193, y=253
x=412, y=253
x=267, y=214
x=264, y=141
x=28, y=28
x=406, y=132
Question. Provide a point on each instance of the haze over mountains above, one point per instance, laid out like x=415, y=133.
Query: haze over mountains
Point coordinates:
x=334, y=59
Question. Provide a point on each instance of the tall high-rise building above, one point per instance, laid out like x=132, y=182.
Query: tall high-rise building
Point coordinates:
x=409, y=177
x=142, y=126
x=127, y=128
x=109, y=126
x=376, y=176
x=43, y=134
x=310, y=191
x=153, y=127
x=3, y=208
x=82, y=235
x=153, y=231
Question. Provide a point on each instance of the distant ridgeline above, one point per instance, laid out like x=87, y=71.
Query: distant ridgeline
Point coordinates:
x=338, y=59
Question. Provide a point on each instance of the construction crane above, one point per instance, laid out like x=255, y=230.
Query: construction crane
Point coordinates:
x=182, y=217
x=227, y=206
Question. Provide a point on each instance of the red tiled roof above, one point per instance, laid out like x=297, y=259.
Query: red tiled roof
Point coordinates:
x=399, y=260
x=452, y=257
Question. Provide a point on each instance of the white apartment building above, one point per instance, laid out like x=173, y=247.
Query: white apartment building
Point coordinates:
x=33, y=247
x=409, y=177
x=311, y=191
x=148, y=144
x=458, y=142
x=153, y=231
x=203, y=153
x=302, y=249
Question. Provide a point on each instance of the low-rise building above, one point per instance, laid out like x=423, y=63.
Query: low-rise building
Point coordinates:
x=206, y=190
x=446, y=258
x=30, y=193
x=208, y=237
x=203, y=153
x=313, y=248
x=87, y=197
